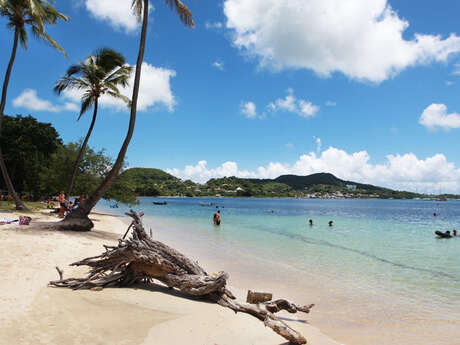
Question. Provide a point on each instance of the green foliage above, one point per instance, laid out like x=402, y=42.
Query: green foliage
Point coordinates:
x=28, y=146
x=93, y=168
x=153, y=182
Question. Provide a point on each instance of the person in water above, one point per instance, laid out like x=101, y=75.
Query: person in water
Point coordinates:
x=216, y=218
x=455, y=233
x=330, y=223
x=310, y=222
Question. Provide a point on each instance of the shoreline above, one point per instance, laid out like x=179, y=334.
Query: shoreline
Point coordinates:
x=31, y=312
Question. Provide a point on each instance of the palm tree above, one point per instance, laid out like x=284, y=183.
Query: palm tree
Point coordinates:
x=23, y=14
x=78, y=220
x=97, y=75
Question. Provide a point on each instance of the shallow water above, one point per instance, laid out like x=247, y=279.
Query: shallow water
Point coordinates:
x=379, y=273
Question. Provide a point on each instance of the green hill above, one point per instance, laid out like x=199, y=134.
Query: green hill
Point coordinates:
x=155, y=182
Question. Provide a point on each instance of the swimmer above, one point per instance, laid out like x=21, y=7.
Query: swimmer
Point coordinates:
x=330, y=223
x=310, y=222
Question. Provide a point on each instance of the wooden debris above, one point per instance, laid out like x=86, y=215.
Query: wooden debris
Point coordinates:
x=140, y=259
x=258, y=297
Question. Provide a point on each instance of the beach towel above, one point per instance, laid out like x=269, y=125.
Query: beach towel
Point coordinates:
x=7, y=221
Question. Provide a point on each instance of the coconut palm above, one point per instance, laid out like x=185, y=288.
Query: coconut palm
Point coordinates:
x=100, y=74
x=23, y=15
x=78, y=219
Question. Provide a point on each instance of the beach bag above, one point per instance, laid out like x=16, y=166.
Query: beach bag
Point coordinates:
x=24, y=220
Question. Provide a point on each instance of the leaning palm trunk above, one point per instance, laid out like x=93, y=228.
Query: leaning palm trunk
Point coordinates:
x=19, y=204
x=78, y=220
x=82, y=151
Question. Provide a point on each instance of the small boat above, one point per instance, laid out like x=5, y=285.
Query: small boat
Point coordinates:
x=206, y=204
x=160, y=203
x=443, y=234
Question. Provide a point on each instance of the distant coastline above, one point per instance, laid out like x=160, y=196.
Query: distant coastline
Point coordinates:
x=158, y=183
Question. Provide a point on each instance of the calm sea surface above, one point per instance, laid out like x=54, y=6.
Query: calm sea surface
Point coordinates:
x=378, y=275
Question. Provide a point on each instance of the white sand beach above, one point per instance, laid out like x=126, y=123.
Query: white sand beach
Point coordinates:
x=33, y=313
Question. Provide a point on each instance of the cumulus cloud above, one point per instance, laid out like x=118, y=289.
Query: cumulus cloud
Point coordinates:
x=218, y=64
x=117, y=12
x=155, y=88
x=291, y=104
x=29, y=100
x=248, y=109
x=401, y=172
x=436, y=115
x=363, y=39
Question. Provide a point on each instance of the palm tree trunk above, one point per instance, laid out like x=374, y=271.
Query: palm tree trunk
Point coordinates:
x=82, y=151
x=78, y=220
x=6, y=177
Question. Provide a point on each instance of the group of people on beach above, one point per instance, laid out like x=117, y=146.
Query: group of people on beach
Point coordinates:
x=67, y=206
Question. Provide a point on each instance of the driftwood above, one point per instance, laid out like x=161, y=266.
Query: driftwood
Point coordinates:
x=141, y=259
x=255, y=297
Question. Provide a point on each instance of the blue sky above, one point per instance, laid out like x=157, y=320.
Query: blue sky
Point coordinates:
x=365, y=89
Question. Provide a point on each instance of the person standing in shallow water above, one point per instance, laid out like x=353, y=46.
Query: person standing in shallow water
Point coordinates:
x=216, y=218
x=330, y=223
x=310, y=221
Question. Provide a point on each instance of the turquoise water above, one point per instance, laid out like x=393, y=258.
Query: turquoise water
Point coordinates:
x=382, y=253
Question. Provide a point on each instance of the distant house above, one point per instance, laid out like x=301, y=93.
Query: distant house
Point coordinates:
x=239, y=189
x=351, y=186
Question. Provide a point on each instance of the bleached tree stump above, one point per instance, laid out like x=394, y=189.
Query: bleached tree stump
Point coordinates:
x=141, y=259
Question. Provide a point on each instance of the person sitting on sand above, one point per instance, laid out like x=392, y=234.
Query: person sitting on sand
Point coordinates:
x=216, y=218
x=330, y=223
x=62, y=204
x=310, y=221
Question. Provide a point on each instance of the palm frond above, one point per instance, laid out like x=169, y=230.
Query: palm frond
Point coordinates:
x=185, y=16
x=87, y=101
x=23, y=37
x=137, y=6
x=70, y=83
x=40, y=34
x=108, y=59
x=118, y=95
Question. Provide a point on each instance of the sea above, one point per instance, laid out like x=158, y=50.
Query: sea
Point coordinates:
x=378, y=275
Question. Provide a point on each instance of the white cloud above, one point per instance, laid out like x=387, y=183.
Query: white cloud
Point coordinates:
x=291, y=104
x=215, y=25
x=436, y=115
x=330, y=104
x=117, y=12
x=219, y=65
x=289, y=146
x=362, y=39
x=155, y=88
x=449, y=83
x=401, y=172
x=248, y=109
x=29, y=100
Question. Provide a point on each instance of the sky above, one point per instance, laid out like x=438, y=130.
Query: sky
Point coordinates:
x=365, y=89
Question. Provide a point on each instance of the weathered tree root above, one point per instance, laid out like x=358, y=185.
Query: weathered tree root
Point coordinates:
x=141, y=259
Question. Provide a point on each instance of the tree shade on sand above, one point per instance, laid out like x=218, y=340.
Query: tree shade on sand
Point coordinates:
x=23, y=15
x=78, y=220
x=100, y=74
